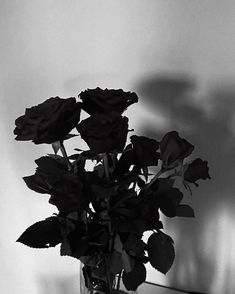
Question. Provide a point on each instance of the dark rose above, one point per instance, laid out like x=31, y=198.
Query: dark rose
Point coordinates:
x=174, y=149
x=196, y=170
x=144, y=151
x=104, y=132
x=105, y=101
x=68, y=191
x=49, y=121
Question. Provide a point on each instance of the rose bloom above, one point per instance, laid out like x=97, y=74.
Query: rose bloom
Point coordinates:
x=144, y=151
x=106, y=101
x=49, y=121
x=104, y=132
x=173, y=149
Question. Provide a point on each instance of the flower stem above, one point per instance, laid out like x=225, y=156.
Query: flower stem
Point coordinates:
x=64, y=153
x=106, y=166
x=153, y=179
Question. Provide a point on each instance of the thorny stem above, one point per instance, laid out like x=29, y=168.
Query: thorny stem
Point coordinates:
x=64, y=153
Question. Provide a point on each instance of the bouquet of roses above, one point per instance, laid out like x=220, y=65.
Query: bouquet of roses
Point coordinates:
x=110, y=194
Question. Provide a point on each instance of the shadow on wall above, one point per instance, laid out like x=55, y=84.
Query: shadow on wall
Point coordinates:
x=59, y=285
x=202, y=263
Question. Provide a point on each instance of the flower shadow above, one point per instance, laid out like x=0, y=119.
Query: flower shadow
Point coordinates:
x=204, y=118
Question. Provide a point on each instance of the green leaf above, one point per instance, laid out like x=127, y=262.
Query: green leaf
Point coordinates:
x=161, y=251
x=184, y=211
x=134, y=278
x=42, y=234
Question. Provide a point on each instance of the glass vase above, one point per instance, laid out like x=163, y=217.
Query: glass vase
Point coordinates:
x=84, y=289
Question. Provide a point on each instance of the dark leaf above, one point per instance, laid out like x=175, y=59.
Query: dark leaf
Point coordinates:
x=129, y=226
x=134, y=245
x=78, y=246
x=184, y=211
x=115, y=262
x=65, y=248
x=74, y=156
x=91, y=260
x=134, y=278
x=37, y=183
x=42, y=234
x=50, y=165
x=154, y=225
x=161, y=251
x=69, y=136
x=169, y=201
x=127, y=261
x=124, y=163
x=100, y=273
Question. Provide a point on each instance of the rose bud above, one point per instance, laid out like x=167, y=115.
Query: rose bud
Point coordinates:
x=196, y=170
x=104, y=132
x=106, y=101
x=49, y=121
x=174, y=149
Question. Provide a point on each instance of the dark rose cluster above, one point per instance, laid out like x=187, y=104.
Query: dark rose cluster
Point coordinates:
x=109, y=195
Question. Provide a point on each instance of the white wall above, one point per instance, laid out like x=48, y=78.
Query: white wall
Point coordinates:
x=50, y=48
